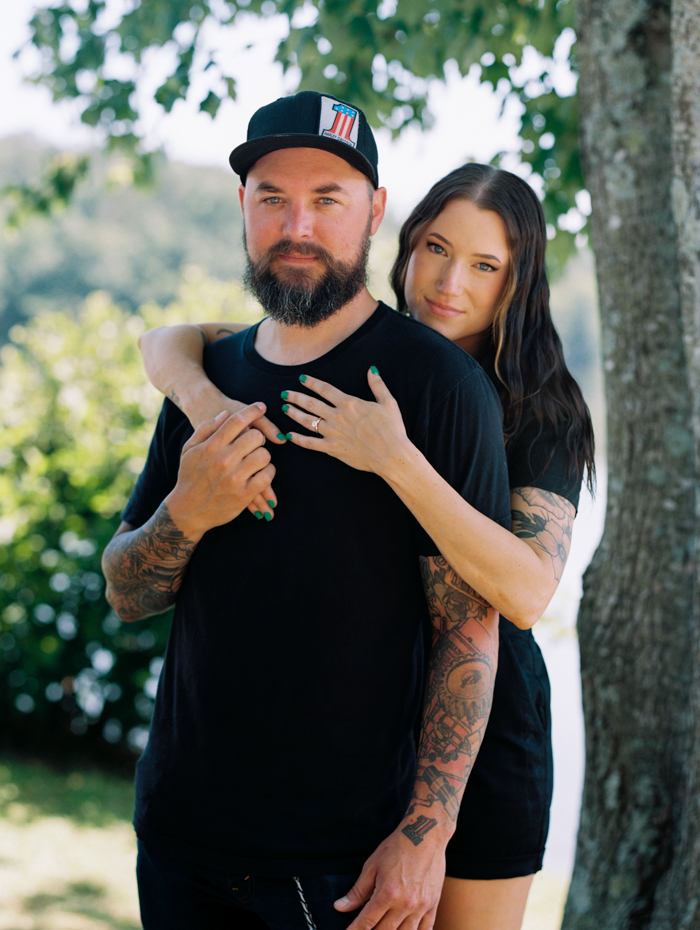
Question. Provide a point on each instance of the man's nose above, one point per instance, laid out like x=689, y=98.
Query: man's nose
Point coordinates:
x=298, y=222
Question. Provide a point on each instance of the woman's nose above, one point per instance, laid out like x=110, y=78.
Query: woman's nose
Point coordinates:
x=451, y=280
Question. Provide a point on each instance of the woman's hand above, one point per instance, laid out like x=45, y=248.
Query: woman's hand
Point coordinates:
x=365, y=435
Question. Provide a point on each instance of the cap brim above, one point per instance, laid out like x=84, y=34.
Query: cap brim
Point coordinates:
x=244, y=156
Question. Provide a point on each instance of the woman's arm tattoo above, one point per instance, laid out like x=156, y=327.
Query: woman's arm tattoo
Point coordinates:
x=545, y=521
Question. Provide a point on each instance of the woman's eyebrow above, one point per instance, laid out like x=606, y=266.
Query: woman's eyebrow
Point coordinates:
x=441, y=238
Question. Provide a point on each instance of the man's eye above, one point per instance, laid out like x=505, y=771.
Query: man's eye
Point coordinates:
x=327, y=200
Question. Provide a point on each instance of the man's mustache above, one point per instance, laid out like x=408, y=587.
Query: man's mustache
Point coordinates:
x=288, y=247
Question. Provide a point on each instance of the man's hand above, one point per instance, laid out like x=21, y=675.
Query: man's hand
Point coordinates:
x=401, y=885
x=223, y=466
x=208, y=402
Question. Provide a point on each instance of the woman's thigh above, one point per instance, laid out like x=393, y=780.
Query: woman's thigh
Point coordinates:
x=496, y=904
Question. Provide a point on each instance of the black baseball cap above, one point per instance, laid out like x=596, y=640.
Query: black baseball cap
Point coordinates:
x=309, y=120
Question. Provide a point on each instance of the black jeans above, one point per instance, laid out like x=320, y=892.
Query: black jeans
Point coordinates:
x=178, y=895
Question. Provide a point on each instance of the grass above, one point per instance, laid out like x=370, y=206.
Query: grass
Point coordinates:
x=68, y=852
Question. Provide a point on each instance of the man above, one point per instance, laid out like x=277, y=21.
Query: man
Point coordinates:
x=280, y=786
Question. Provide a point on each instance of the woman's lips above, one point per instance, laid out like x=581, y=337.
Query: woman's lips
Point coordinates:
x=443, y=310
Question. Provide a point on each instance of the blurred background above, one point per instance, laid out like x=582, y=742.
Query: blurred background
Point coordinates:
x=77, y=287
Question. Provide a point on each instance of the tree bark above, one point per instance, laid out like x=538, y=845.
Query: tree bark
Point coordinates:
x=637, y=621
x=679, y=894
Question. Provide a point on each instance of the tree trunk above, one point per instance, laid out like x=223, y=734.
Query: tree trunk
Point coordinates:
x=637, y=621
x=679, y=894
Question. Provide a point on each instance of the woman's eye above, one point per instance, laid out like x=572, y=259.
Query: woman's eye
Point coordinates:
x=436, y=248
x=484, y=266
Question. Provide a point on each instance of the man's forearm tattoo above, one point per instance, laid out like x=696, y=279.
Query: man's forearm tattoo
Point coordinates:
x=546, y=519
x=461, y=675
x=417, y=830
x=145, y=568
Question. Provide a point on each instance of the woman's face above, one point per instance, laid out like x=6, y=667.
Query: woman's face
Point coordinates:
x=457, y=273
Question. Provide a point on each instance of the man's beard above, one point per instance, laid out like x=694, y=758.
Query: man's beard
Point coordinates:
x=295, y=298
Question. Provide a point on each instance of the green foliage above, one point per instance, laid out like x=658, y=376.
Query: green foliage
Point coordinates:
x=60, y=178
x=75, y=423
x=381, y=55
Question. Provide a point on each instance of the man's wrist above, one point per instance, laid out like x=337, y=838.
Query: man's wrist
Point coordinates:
x=183, y=518
x=426, y=831
x=428, y=820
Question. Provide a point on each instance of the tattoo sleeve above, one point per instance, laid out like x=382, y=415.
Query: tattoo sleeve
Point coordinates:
x=545, y=521
x=457, y=702
x=144, y=568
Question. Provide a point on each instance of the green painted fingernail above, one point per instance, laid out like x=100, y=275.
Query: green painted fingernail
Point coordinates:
x=374, y=370
x=302, y=378
x=268, y=516
x=288, y=436
x=272, y=504
x=284, y=395
x=258, y=515
x=285, y=408
x=281, y=436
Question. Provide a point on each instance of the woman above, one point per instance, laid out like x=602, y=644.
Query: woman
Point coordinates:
x=470, y=265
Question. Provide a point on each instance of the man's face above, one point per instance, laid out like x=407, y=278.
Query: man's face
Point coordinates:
x=308, y=216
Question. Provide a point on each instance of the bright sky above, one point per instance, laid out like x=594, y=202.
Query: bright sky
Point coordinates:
x=467, y=123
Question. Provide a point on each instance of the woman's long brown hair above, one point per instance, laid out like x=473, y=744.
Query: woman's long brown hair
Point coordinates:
x=534, y=383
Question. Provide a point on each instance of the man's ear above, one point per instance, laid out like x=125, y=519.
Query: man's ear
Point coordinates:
x=378, y=209
x=241, y=194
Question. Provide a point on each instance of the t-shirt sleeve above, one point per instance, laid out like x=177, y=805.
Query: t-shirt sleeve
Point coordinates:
x=159, y=475
x=542, y=460
x=463, y=441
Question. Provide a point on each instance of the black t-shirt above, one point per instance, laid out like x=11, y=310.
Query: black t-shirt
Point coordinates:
x=539, y=459
x=282, y=740
x=537, y=456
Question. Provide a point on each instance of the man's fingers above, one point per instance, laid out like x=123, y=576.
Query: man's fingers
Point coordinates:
x=269, y=430
x=231, y=428
x=360, y=892
x=205, y=430
x=225, y=427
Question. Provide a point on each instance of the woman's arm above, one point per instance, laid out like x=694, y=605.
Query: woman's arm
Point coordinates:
x=172, y=357
x=516, y=571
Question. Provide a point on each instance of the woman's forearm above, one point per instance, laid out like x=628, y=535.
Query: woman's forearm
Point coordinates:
x=172, y=357
x=516, y=577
